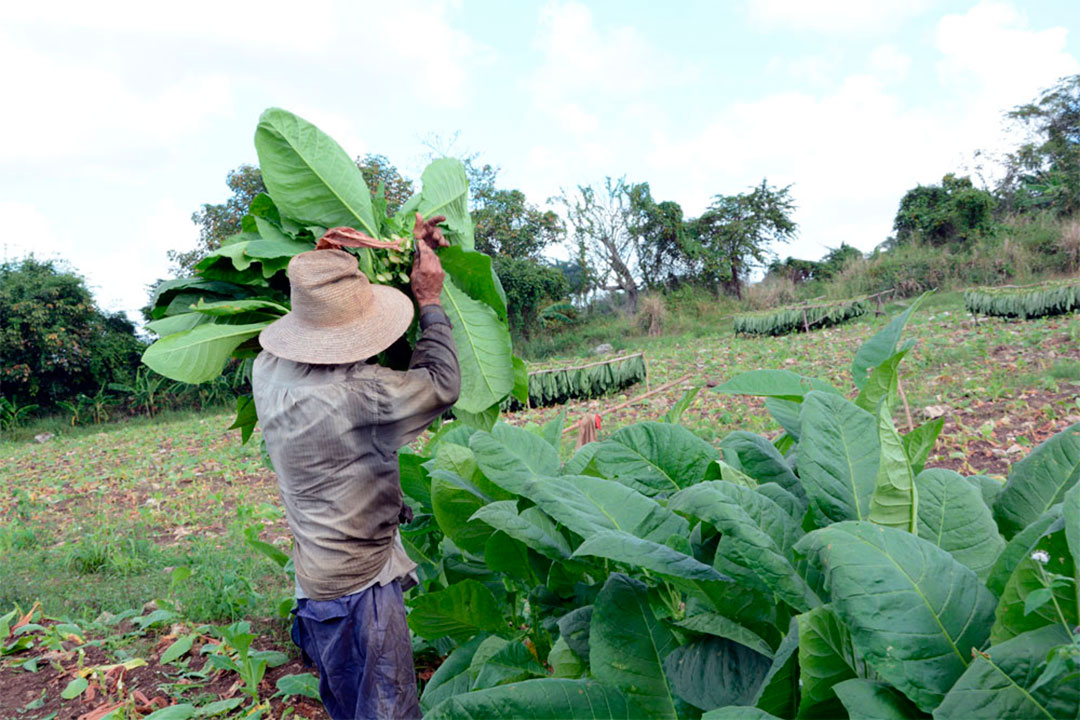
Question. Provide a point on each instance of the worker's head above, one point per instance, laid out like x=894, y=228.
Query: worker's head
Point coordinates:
x=337, y=315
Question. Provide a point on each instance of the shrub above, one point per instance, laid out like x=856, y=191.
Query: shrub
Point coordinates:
x=652, y=314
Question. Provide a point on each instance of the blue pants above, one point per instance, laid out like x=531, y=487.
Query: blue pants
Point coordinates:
x=361, y=646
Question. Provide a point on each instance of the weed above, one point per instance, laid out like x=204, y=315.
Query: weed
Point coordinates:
x=1066, y=370
x=104, y=551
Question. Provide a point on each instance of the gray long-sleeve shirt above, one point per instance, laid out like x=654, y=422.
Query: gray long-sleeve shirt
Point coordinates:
x=333, y=432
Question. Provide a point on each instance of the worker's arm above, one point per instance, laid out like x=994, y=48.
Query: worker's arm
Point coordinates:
x=411, y=400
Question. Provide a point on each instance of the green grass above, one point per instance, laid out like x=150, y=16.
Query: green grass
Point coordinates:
x=96, y=519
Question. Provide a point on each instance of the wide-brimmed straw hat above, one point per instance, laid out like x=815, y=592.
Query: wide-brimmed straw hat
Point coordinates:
x=337, y=315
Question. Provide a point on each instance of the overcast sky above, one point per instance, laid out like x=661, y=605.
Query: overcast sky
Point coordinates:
x=123, y=117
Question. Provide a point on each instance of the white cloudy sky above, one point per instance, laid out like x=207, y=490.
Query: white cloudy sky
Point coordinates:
x=123, y=117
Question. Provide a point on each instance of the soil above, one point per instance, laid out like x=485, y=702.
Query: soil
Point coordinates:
x=146, y=688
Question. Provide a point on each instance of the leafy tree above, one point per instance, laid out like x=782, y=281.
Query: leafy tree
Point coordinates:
x=794, y=269
x=507, y=224
x=835, y=261
x=217, y=222
x=660, y=234
x=54, y=342
x=529, y=285
x=1044, y=172
x=954, y=212
x=601, y=220
x=733, y=235
x=826, y=268
x=377, y=169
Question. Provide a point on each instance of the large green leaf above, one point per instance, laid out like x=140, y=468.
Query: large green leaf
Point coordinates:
x=446, y=192
x=588, y=505
x=459, y=611
x=510, y=456
x=458, y=490
x=782, y=384
x=531, y=527
x=484, y=350
x=779, y=691
x=826, y=657
x=541, y=699
x=953, y=516
x=171, y=324
x=913, y=611
x=1071, y=513
x=999, y=684
x=199, y=354
x=513, y=662
x=882, y=345
x=310, y=178
x=454, y=501
x=1013, y=615
x=235, y=307
x=757, y=536
x=1039, y=481
x=882, y=385
x=1018, y=549
x=711, y=623
x=451, y=677
x=574, y=627
x=919, y=442
x=838, y=456
x=895, y=500
x=873, y=700
x=627, y=646
x=630, y=550
x=738, y=712
x=787, y=413
x=471, y=271
x=652, y=457
x=713, y=672
x=759, y=458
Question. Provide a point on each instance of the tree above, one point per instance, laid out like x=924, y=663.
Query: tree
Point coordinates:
x=54, y=342
x=660, y=235
x=733, y=235
x=529, y=284
x=952, y=213
x=507, y=224
x=601, y=223
x=217, y=222
x=835, y=261
x=377, y=169
x=1044, y=172
x=827, y=267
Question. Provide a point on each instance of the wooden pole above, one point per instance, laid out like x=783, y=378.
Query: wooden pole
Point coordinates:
x=587, y=365
x=639, y=398
x=805, y=324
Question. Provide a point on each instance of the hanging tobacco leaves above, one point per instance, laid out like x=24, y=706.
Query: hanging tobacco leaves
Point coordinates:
x=314, y=186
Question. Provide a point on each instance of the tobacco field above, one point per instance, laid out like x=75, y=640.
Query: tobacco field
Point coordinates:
x=678, y=539
x=879, y=518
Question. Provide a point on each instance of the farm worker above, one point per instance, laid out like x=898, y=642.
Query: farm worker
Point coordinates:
x=333, y=421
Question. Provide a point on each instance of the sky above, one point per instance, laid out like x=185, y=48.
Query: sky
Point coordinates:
x=123, y=118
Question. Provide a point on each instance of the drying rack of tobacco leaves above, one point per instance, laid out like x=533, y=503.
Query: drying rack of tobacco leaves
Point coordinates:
x=1025, y=301
x=555, y=386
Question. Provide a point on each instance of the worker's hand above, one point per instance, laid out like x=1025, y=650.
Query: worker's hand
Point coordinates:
x=429, y=233
x=427, y=275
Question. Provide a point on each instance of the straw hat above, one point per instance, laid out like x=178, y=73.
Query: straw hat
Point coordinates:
x=337, y=315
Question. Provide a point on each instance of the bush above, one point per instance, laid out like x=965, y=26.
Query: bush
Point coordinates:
x=529, y=285
x=54, y=343
x=652, y=314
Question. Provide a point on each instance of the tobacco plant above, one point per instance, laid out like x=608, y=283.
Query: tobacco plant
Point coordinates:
x=827, y=573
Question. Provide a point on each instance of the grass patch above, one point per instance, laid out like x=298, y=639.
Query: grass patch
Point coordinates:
x=1066, y=370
